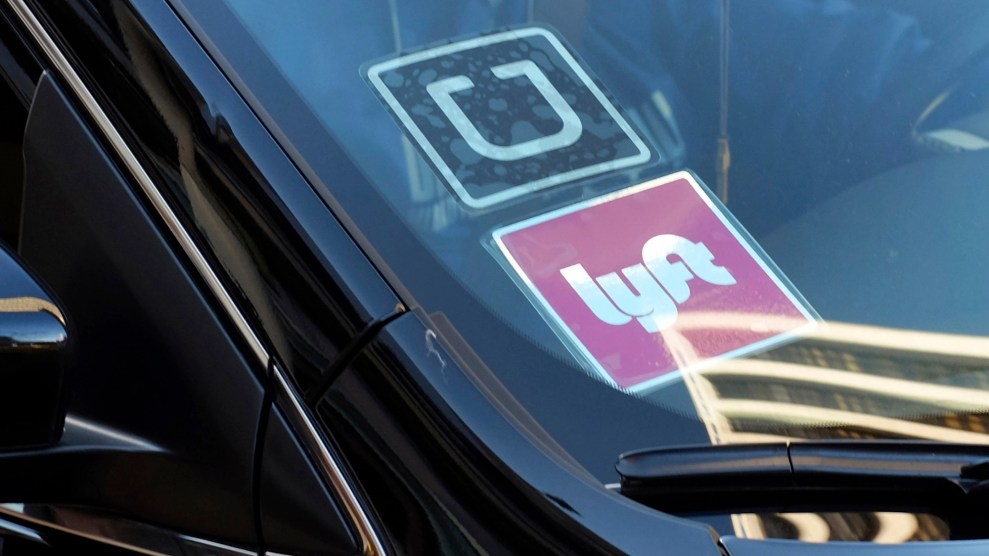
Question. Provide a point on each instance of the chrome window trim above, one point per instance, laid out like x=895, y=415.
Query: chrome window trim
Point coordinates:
x=68, y=73
x=373, y=546
x=98, y=525
x=325, y=460
x=16, y=530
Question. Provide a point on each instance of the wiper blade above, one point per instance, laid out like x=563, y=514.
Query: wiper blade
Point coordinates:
x=809, y=476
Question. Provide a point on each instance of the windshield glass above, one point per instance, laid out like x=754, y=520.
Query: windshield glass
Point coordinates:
x=711, y=221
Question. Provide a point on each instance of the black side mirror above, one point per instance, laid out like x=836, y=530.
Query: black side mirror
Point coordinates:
x=32, y=339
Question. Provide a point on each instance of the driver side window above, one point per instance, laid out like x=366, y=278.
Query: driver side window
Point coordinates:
x=13, y=115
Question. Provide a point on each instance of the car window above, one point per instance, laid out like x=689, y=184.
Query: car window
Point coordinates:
x=12, y=124
x=761, y=219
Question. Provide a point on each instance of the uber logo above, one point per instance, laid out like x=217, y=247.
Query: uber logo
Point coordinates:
x=506, y=114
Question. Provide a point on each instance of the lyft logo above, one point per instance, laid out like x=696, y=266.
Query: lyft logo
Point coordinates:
x=652, y=280
x=659, y=283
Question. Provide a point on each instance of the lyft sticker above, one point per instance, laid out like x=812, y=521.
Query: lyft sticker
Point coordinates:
x=652, y=280
x=505, y=114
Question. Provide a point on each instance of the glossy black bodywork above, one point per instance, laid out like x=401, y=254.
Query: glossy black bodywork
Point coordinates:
x=150, y=354
x=308, y=288
x=156, y=364
x=18, y=536
x=298, y=514
x=22, y=65
x=410, y=416
x=32, y=338
x=20, y=73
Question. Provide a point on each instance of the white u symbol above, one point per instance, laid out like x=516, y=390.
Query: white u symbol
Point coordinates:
x=442, y=90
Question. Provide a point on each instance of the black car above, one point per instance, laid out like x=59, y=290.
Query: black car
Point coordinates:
x=494, y=276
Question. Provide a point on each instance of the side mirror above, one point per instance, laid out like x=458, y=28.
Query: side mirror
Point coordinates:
x=32, y=340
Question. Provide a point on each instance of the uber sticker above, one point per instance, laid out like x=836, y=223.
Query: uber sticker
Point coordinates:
x=651, y=280
x=506, y=114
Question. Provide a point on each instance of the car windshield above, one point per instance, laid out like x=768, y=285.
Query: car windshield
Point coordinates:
x=663, y=222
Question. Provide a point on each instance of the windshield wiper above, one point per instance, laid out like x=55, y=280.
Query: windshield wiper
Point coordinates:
x=948, y=480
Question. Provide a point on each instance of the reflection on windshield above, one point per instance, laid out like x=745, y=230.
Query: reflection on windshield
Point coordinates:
x=877, y=527
x=849, y=381
x=848, y=121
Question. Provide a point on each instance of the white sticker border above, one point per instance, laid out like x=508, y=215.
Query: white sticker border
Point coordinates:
x=644, y=387
x=374, y=75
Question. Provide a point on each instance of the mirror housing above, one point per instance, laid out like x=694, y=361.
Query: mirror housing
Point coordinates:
x=33, y=338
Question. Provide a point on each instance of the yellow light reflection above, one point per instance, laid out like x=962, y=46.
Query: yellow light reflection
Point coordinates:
x=30, y=305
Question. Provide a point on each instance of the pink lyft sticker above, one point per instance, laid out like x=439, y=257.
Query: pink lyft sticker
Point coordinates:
x=651, y=280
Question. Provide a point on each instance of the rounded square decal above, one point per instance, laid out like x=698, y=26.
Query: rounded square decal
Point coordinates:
x=652, y=280
x=505, y=114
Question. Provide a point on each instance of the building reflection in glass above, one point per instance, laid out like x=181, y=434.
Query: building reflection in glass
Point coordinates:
x=848, y=381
